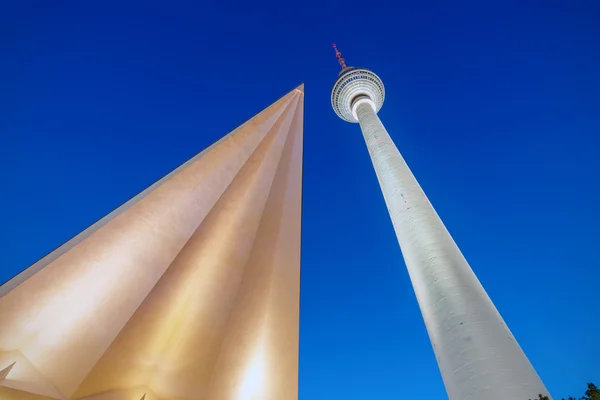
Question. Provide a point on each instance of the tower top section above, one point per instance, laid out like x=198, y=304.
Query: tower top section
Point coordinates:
x=340, y=59
x=355, y=86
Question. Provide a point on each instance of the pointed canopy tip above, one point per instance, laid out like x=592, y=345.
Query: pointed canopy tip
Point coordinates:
x=300, y=88
x=5, y=371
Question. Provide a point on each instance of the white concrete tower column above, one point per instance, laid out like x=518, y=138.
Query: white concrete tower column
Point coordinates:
x=477, y=354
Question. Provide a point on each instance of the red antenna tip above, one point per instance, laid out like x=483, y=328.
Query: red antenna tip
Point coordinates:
x=341, y=60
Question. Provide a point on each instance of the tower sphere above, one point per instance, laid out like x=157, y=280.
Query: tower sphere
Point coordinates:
x=353, y=87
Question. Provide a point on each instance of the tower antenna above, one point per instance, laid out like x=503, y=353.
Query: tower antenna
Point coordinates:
x=340, y=59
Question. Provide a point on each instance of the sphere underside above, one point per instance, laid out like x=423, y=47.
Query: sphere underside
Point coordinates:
x=354, y=84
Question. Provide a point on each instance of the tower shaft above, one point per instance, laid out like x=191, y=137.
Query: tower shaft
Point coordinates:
x=477, y=354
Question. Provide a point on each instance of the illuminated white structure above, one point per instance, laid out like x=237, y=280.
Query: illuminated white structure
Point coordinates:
x=477, y=354
x=189, y=291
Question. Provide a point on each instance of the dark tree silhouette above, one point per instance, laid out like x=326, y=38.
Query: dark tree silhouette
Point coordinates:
x=592, y=393
x=541, y=397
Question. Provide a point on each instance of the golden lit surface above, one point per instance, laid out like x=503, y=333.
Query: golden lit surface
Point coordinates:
x=188, y=291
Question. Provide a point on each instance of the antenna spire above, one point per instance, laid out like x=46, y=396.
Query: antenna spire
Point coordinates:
x=340, y=59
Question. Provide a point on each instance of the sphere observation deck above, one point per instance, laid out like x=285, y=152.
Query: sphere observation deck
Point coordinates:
x=355, y=86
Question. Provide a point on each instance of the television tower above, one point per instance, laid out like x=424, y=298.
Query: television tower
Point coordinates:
x=477, y=354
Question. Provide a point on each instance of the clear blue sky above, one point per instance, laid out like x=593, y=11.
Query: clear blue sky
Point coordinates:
x=495, y=107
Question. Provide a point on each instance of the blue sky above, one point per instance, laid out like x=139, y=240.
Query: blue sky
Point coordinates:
x=494, y=106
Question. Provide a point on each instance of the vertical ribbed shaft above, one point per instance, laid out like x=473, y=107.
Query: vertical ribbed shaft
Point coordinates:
x=477, y=355
x=190, y=290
